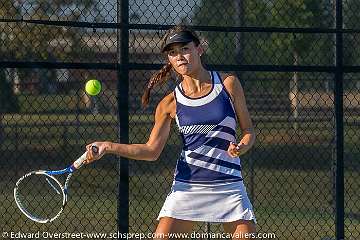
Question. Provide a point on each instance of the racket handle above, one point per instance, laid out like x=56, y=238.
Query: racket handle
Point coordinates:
x=80, y=161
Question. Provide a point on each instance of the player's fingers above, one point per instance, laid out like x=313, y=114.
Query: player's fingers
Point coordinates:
x=232, y=149
x=237, y=149
x=88, y=150
x=95, y=151
x=90, y=154
x=241, y=148
x=88, y=158
x=89, y=146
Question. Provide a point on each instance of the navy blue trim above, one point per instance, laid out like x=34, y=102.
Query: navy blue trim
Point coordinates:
x=175, y=93
x=224, y=129
x=189, y=172
x=219, y=143
x=191, y=98
x=196, y=144
x=214, y=142
x=216, y=161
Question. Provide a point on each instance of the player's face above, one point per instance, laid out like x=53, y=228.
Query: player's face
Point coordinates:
x=185, y=58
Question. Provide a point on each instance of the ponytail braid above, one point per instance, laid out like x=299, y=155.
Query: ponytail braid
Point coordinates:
x=160, y=77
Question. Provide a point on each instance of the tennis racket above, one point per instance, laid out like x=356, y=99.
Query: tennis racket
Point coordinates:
x=41, y=196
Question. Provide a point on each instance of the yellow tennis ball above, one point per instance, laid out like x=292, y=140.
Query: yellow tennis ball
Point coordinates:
x=93, y=87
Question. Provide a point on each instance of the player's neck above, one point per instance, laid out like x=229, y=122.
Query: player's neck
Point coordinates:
x=196, y=81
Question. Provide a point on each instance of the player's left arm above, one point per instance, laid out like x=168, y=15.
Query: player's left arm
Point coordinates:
x=234, y=88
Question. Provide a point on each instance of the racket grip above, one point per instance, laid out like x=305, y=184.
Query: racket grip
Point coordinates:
x=80, y=161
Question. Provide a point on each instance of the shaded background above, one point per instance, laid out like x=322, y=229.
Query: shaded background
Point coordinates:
x=298, y=61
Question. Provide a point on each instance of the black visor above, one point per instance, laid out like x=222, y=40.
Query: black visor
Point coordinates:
x=179, y=37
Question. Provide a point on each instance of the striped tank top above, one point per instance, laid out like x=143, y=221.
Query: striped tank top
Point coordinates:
x=207, y=126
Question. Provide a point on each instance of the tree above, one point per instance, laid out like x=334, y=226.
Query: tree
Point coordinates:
x=259, y=13
x=217, y=13
x=52, y=41
x=297, y=13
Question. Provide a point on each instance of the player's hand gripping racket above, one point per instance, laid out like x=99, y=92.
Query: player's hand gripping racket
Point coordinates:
x=40, y=196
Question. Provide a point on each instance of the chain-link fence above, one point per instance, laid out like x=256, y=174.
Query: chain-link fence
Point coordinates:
x=298, y=61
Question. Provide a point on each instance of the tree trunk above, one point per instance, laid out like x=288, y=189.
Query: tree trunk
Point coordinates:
x=293, y=93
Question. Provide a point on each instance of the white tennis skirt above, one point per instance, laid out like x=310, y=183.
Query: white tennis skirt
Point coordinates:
x=215, y=202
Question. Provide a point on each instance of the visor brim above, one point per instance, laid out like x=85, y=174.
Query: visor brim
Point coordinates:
x=181, y=37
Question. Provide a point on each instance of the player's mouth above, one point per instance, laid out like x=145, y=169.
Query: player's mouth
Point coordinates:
x=182, y=64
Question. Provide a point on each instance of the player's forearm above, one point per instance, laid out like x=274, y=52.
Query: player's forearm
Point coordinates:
x=248, y=138
x=132, y=151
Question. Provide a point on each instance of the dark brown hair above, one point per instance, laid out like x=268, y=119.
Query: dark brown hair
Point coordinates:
x=164, y=73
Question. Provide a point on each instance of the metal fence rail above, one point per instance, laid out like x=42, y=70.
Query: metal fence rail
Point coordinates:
x=298, y=62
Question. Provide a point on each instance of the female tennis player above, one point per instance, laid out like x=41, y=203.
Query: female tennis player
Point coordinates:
x=206, y=106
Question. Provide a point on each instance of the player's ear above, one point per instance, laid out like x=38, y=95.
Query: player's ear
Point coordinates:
x=200, y=50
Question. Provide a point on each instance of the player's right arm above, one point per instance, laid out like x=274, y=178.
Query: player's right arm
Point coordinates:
x=151, y=150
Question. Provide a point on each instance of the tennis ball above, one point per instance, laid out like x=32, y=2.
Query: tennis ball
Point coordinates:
x=93, y=87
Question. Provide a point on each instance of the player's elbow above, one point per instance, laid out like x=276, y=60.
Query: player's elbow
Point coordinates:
x=153, y=154
x=152, y=158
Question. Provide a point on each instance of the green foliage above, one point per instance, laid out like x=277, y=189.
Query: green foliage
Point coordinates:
x=256, y=13
x=298, y=13
x=8, y=31
x=269, y=48
x=217, y=13
x=265, y=48
x=43, y=42
x=38, y=42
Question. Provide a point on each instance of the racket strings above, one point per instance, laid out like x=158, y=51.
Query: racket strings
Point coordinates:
x=40, y=197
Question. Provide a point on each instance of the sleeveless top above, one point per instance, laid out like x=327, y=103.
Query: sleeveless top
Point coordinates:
x=207, y=126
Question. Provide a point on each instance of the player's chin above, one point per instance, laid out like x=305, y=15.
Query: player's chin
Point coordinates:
x=184, y=69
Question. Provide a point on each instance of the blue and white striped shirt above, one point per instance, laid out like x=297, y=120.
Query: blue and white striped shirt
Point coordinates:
x=207, y=126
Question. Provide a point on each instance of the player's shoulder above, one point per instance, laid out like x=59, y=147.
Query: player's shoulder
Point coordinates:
x=168, y=99
x=167, y=105
x=230, y=80
x=228, y=77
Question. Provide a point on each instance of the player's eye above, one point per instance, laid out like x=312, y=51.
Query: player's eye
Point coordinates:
x=171, y=52
x=185, y=49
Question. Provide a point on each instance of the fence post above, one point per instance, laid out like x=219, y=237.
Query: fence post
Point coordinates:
x=123, y=111
x=339, y=121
